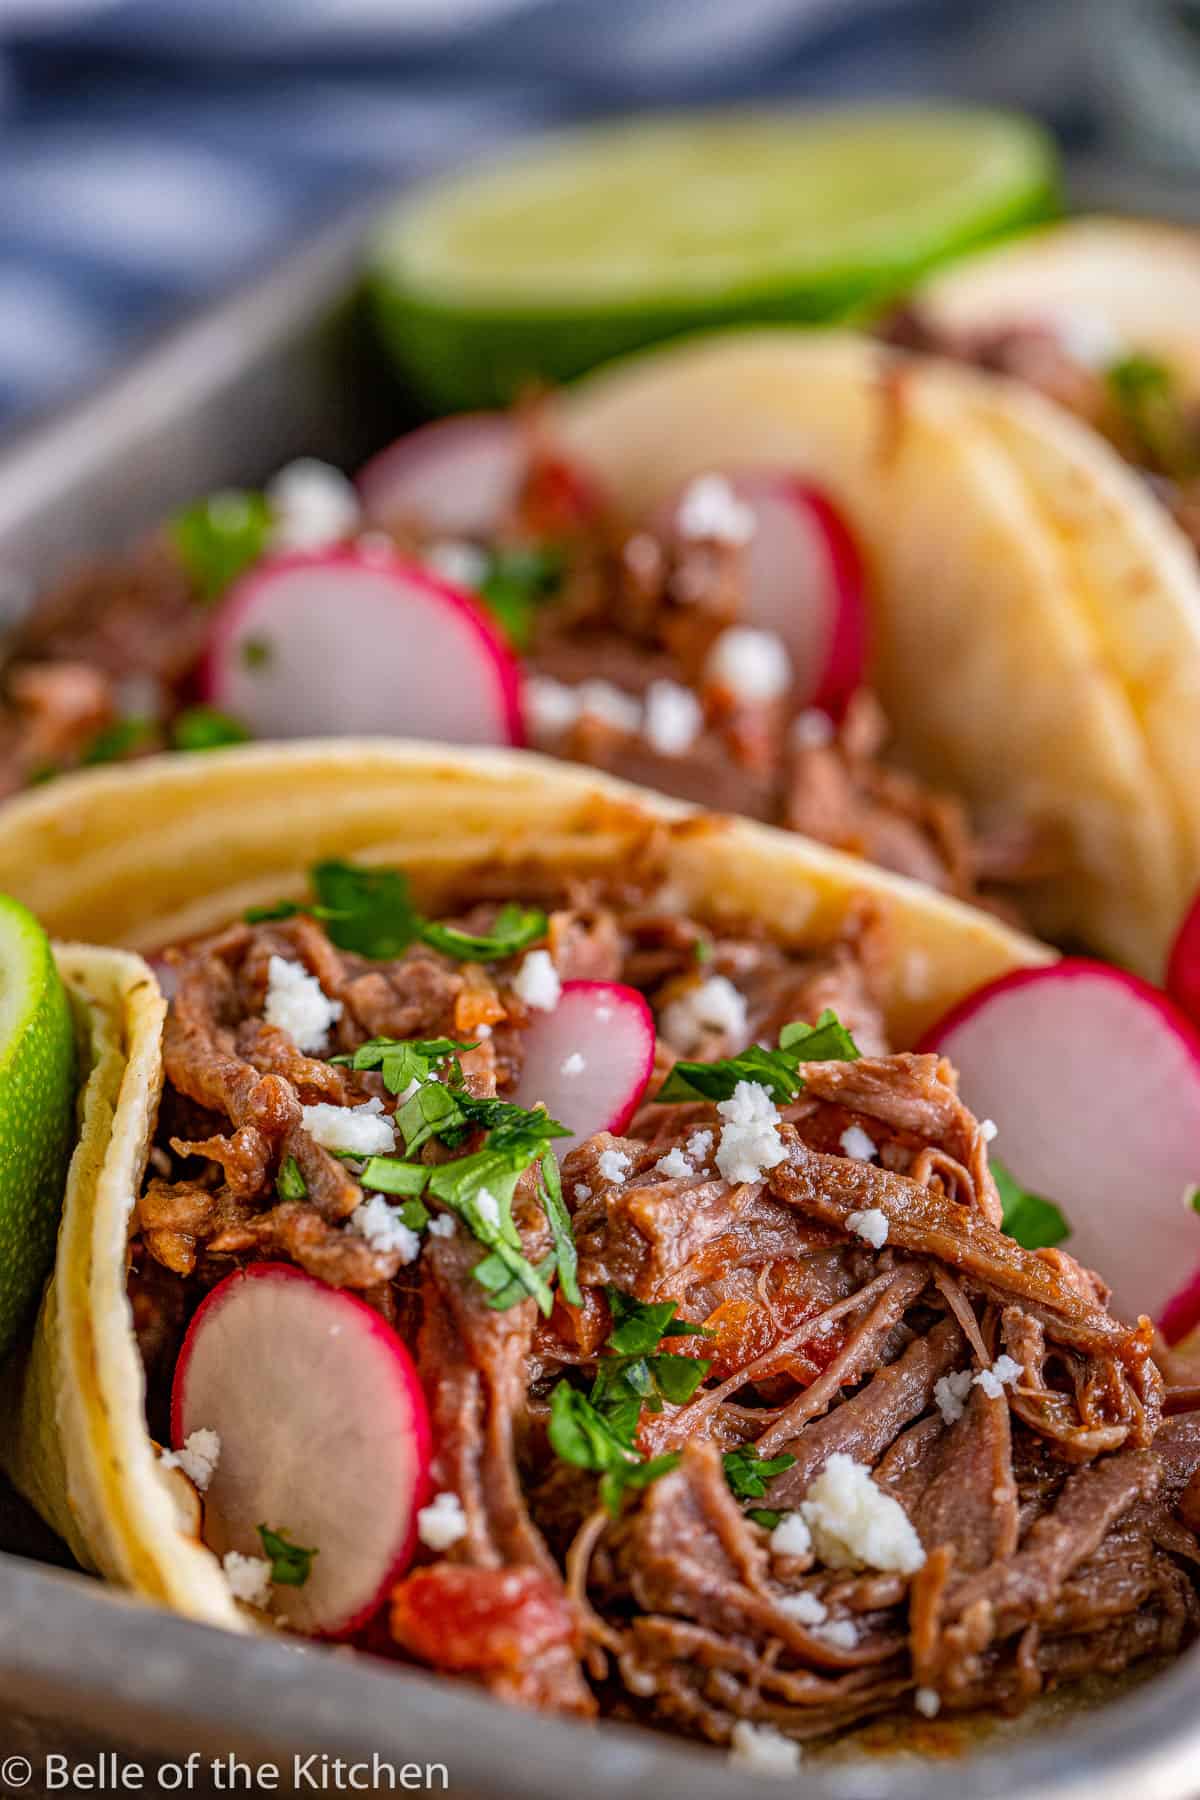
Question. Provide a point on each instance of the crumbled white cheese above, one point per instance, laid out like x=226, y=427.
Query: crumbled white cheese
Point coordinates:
x=582, y=1191
x=812, y=729
x=1087, y=336
x=611, y=705
x=673, y=718
x=753, y=666
x=312, y=504
x=988, y=1130
x=805, y=1609
x=443, y=1522
x=950, y=1395
x=750, y=1140
x=839, y=1634
x=928, y=1702
x=763, y=1749
x=1003, y=1373
x=573, y=1064
x=298, y=1004
x=536, y=982
x=714, y=1004
x=487, y=1205
x=358, y=1130
x=441, y=1225
x=550, y=706
x=462, y=565
x=642, y=555
x=249, y=1577
x=699, y=1147
x=613, y=1165
x=384, y=1229
x=871, y=1225
x=854, y=1524
x=710, y=511
x=675, y=1164
x=197, y=1456
x=858, y=1143
x=791, y=1537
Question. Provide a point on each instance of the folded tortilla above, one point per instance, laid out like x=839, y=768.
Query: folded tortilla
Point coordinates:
x=148, y=854
x=1036, y=616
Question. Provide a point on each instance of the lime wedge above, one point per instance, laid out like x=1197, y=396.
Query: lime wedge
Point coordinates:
x=589, y=244
x=37, y=1110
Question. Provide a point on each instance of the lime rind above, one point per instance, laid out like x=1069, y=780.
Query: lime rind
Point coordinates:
x=485, y=284
x=37, y=1111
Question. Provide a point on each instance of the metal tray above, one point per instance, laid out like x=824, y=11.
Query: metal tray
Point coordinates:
x=283, y=369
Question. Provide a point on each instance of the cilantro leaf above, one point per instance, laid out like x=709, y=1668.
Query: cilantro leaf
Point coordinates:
x=1191, y=1197
x=389, y=1175
x=514, y=929
x=1035, y=1223
x=639, y=1326
x=219, y=537
x=748, y=1473
x=1151, y=408
x=366, y=910
x=559, y=1220
x=205, y=728
x=765, y=1516
x=122, y=739
x=634, y=1477
x=519, y=579
x=504, y=1289
x=582, y=1436
x=290, y=1183
x=826, y=1041
x=402, y=1061
x=278, y=909
x=776, y=1070
x=291, y=1564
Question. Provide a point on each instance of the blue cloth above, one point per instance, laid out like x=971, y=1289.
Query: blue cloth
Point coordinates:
x=153, y=151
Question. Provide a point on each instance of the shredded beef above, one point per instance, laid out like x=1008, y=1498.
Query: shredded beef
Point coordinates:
x=1055, y=1512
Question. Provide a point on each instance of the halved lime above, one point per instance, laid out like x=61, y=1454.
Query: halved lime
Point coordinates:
x=37, y=1110
x=595, y=242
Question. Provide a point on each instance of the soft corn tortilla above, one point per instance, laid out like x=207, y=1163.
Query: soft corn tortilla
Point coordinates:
x=1133, y=284
x=1036, y=618
x=73, y=1424
x=144, y=855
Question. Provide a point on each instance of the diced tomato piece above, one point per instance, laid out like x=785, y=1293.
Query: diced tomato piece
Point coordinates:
x=472, y=1620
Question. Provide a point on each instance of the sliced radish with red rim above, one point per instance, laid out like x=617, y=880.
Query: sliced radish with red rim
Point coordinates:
x=355, y=642
x=1093, y=1080
x=803, y=582
x=324, y=1436
x=1183, y=965
x=589, y=1060
x=456, y=478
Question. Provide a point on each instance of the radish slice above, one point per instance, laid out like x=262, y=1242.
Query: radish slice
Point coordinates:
x=456, y=478
x=589, y=1060
x=804, y=582
x=350, y=642
x=324, y=1435
x=1093, y=1080
x=1183, y=965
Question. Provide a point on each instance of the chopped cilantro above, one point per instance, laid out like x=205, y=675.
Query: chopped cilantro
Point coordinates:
x=559, y=1220
x=291, y=1564
x=256, y=653
x=401, y=1061
x=519, y=579
x=371, y=911
x=389, y=1175
x=625, y=1478
x=123, y=739
x=765, y=1516
x=1152, y=411
x=290, y=1183
x=776, y=1070
x=1035, y=1223
x=204, y=728
x=639, y=1326
x=748, y=1473
x=1191, y=1197
x=219, y=537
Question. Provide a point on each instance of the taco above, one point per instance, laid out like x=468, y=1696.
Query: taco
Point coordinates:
x=550, y=1265
x=783, y=574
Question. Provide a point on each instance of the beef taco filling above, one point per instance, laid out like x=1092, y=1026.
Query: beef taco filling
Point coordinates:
x=743, y=1412
x=641, y=652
